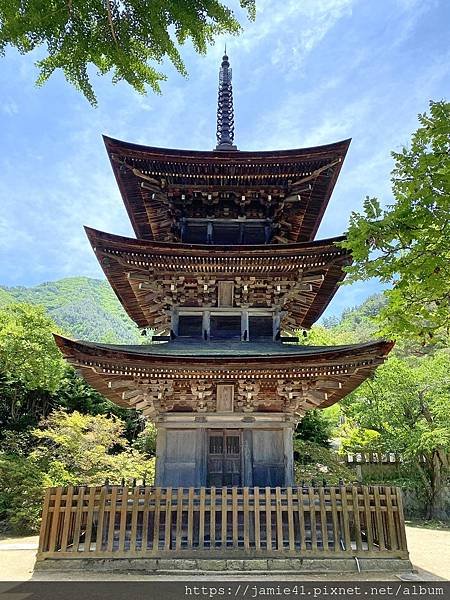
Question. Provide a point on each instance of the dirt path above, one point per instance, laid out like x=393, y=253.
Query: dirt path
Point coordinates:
x=429, y=552
x=17, y=556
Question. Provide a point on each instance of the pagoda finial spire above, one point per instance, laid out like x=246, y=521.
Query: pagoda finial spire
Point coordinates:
x=225, y=112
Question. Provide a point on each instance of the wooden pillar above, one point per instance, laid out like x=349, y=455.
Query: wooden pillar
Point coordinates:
x=247, y=458
x=244, y=326
x=161, y=443
x=174, y=321
x=288, y=439
x=276, y=323
x=206, y=324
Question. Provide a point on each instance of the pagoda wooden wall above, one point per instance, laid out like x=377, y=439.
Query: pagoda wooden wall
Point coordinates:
x=265, y=457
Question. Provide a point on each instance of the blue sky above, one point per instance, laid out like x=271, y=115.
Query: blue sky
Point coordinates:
x=306, y=72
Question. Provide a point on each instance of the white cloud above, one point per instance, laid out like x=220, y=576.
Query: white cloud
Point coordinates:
x=317, y=19
x=9, y=107
x=288, y=31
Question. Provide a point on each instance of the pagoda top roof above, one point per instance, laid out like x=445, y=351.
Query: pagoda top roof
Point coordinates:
x=308, y=174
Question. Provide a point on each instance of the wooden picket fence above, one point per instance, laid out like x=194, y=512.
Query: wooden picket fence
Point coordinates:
x=142, y=521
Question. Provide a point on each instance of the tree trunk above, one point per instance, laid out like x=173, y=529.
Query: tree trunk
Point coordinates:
x=439, y=467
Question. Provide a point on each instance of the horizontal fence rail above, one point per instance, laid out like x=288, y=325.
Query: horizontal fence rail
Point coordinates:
x=141, y=521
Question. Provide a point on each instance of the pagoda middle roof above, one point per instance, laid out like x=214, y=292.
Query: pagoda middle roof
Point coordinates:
x=133, y=266
x=278, y=173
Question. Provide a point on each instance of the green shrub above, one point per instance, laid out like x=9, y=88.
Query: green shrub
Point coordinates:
x=74, y=449
x=146, y=440
x=319, y=463
x=89, y=449
x=22, y=485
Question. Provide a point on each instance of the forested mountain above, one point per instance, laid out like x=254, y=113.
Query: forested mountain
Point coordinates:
x=83, y=308
x=359, y=320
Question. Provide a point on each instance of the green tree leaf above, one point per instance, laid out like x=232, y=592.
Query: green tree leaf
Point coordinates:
x=405, y=409
x=407, y=244
x=127, y=38
x=28, y=352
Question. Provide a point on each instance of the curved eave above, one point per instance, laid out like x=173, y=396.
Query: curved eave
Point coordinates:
x=139, y=155
x=359, y=360
x=221, y=156
x=156, y=354
x=105, y=245
x=97, y=237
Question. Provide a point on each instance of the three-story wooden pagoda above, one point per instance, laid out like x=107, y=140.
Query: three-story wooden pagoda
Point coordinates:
x=223, y=272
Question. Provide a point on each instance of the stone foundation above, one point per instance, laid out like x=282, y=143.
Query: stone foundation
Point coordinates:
x=237, y=566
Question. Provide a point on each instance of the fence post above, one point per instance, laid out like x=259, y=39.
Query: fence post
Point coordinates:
x=345, y=519
x=78, y=518
x=256, y=500
x=89, y=519
x=101, y=520
x=168, y=523
x=368, y=517
x=268, y=519
x=43, y=535
x=401, y=520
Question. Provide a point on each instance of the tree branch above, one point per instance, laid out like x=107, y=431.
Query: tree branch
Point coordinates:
x=111, y=23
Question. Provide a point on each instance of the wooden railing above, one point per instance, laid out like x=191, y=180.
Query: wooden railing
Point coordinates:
x=120, y=521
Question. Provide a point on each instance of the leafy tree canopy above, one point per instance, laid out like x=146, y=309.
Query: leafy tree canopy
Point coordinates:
x=407, y=244
x=405, y=409
x=319, y=335
x=316, y=426
x=125, y=37
x=28, y=352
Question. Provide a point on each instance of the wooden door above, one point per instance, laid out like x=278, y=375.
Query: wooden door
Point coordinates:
x=179, y=465
x=224, y=457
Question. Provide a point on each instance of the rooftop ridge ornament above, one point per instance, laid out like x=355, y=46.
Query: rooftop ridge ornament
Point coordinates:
x=225, y=112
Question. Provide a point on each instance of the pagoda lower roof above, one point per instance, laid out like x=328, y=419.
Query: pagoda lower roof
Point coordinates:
x=149, y=277
x=316, y=375
x=192, y=348
x=151, y=178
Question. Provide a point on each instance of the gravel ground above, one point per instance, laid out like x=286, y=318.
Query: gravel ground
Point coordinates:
x=429, y=553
